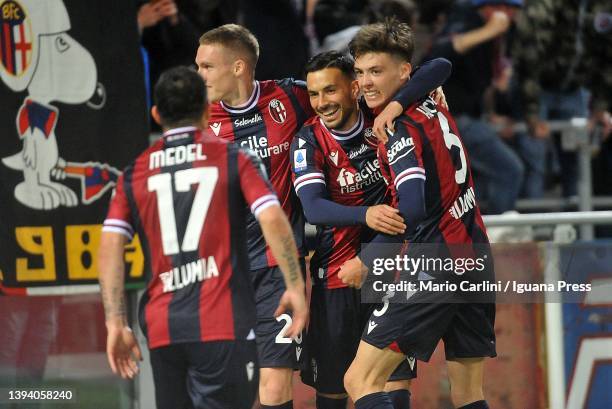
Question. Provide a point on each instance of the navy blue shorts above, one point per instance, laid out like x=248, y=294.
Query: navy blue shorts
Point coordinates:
x=337, y=319
x=415, y=329
x=205, y=375
x=274, y=349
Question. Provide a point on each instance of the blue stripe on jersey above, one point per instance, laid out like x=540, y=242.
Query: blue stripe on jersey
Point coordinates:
x=255, y=239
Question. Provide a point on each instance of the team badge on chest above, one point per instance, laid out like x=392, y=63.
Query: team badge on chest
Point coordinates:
x=277, y=111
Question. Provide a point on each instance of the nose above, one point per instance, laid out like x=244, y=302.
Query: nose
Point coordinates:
x=202, y=73
x=365, y=80
x=321, y=101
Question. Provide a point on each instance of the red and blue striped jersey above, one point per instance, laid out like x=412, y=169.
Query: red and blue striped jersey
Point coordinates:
x=266, y=124
x=347, y=164
x=426, y=145
x=185, y=197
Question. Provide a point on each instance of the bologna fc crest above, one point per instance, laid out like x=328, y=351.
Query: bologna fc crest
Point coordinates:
x=370, y=138
x=15, y=38
x=277, y=111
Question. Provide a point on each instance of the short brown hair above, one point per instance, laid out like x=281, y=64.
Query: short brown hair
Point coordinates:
x=236, y=38
x=390, y=36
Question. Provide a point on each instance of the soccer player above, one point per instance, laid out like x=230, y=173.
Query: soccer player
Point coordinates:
x=337, y=178
x=185, y=197
x=426, y=166
x=263, y=116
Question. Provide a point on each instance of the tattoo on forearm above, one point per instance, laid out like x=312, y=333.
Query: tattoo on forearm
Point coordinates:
x=290, y=256
x=113, y=300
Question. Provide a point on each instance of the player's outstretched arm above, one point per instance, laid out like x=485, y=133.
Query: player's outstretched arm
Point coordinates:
x=122, y=348
x=279, y=236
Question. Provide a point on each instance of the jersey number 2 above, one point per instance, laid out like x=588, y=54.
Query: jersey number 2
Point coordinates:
x=161, y=184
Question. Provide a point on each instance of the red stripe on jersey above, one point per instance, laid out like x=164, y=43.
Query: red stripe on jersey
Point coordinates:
x=453, y=231
x=279, y=134
x=349, y=236
x=219, y=297
x=156, y=310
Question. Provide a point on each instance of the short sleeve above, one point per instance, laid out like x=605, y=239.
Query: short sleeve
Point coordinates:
x=119, y=216
x=254, y=183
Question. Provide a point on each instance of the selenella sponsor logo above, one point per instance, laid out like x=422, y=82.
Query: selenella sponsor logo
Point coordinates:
x=242, y=122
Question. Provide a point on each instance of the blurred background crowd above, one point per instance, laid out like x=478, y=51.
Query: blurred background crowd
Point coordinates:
x=519, y=68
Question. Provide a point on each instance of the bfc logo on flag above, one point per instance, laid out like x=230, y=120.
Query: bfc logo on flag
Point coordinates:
x=15, y=38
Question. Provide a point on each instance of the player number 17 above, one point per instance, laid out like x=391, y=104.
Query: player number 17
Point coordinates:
x=161, y=184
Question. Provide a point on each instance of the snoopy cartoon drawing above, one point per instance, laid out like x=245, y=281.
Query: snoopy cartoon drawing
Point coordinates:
x=39, y=56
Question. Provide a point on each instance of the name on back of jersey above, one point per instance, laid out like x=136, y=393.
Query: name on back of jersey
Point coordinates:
x=188, y=274
x=399, y=149
x=176, y=155
x=259, y=145
x=428, y=108
x=463, y=204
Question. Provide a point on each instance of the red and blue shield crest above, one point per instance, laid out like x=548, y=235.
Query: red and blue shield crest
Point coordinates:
x=15, y=38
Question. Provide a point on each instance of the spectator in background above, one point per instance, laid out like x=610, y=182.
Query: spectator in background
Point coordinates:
x=279, y=27
x=208, y=14
x=563, y=49
x=472, y=41
x=502, y=111
x=168, y=36
x=337, y=21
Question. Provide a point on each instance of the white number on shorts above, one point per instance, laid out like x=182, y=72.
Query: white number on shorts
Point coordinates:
x=281, y=338
x=206, y=179
x=450, y=139
x=385, y=300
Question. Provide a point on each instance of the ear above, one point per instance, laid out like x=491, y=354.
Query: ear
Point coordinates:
x=355, y=89
x=405, y=71
x=239, y=67
x=155, y=115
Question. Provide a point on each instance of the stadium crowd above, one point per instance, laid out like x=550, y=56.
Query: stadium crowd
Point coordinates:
x=528, y=61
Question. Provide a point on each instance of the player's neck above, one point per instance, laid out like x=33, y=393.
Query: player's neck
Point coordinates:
x=350, y=122
x=241, y=95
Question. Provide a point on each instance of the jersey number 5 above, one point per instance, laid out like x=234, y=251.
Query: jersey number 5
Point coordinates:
x=450, y=140
x=161, y=184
